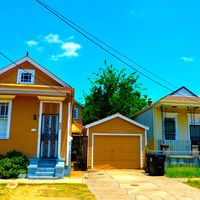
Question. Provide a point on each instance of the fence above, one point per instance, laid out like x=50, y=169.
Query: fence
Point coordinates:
x=175, y=160
x=176, y=147
x=180, y=158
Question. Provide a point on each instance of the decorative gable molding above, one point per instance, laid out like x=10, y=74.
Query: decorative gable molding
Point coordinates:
x=115, y=116
x=38, y=66
x=183, y=91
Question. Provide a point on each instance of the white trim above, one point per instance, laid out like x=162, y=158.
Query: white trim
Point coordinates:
x=115, y=116
x=8, y=119
x=116, y=134
x=188, y=123
x=88, y=139
x=39, y=128
x=27, y=58
x=145, y=138
x=141, y=152
x=189, y=133
x=59, y=128
x=68, y=133
x=30, y=71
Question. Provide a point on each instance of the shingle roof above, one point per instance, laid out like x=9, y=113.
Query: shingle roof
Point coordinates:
x=182, y=98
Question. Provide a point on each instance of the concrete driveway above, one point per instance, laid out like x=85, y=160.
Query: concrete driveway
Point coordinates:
x=135, y=184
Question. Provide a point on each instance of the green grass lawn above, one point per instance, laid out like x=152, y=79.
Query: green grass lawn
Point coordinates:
x=182, y=172
x=47, y=191
x=193, y=183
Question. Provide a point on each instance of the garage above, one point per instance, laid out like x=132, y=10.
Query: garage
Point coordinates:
x=115, y=142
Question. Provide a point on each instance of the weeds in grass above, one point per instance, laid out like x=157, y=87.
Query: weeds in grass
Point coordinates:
x=52, y=191
x=193, y=183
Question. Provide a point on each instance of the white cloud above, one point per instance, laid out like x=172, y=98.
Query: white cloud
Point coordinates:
x=52, y=38
x=31, y=43
x=70, y=50
x=187, y=59
x=71, y=37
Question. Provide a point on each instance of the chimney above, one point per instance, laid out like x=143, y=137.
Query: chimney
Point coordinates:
x=27, y=53
x=150, y=102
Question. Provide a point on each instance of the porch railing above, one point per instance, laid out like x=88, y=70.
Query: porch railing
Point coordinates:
x=176, y=147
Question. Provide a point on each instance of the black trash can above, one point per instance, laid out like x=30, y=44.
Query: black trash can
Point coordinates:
x=155, y=164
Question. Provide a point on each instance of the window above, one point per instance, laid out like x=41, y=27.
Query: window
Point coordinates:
x=25, y=76
x=75, y=113
x=5, y=110
x=195, y=133
x=170, y=128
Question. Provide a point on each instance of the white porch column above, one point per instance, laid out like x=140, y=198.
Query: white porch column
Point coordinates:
x=60, y=128
x=39, y=129
x=68, y=132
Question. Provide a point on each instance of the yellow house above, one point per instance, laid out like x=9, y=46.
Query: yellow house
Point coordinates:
x=36, y=116
x=173, y=121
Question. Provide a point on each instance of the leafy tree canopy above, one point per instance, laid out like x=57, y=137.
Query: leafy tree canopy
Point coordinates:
x=113, y=91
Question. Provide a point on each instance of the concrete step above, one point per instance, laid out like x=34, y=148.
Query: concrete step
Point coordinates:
x=43, y=177
x=44, y=173
x=45, y=164
x=45, y=169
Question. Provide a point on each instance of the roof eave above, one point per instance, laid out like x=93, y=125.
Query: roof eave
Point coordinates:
x=114, y=116
x=37, y=65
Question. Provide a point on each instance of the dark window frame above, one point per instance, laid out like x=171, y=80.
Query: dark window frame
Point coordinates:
x=170, y=131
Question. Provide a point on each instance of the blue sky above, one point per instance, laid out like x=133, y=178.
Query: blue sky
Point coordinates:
x=161, y=35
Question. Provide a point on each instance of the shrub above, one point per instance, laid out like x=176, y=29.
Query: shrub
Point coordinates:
x=13, y=164
x=2, y=156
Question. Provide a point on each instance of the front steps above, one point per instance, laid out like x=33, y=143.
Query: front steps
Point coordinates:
x=46, y=169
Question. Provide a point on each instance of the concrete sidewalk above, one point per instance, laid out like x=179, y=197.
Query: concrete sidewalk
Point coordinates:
x=135, y=184
x=30, y=181
x=76, y=177
x=104, y=187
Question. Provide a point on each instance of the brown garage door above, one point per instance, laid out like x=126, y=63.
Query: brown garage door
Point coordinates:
x=120, y=152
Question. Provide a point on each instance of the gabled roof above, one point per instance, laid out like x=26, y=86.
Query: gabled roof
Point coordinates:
x=183, y=91
x=182, y=95
x=186, y=99
x=115, y=116
x=38, y=66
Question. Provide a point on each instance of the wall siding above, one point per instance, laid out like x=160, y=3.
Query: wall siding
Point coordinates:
x=182, y=125
x=42, y=79
x=146, y=118
x=21, y=137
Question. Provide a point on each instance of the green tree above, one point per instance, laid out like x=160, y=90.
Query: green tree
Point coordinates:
x=113, y=91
